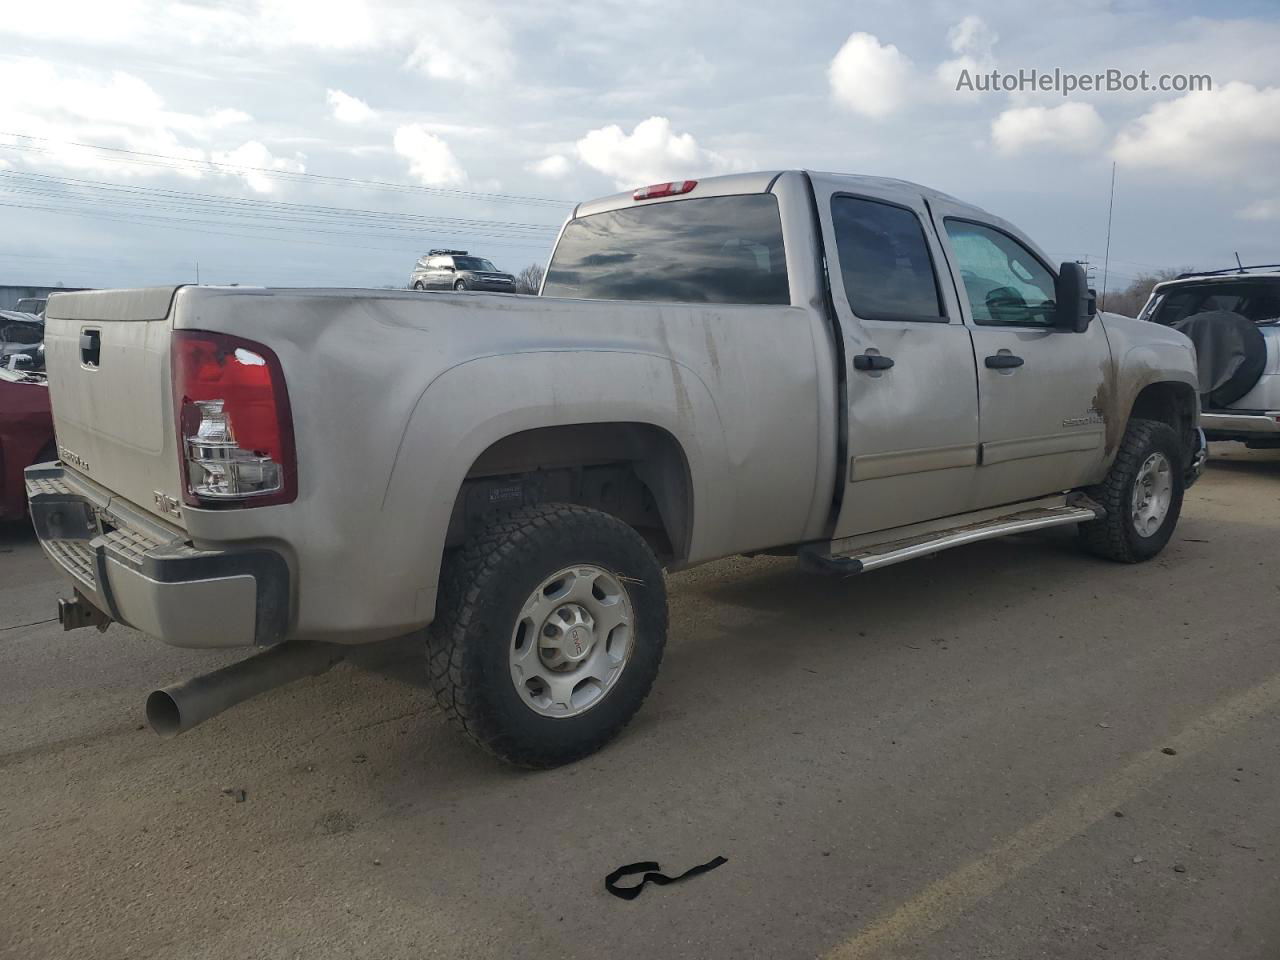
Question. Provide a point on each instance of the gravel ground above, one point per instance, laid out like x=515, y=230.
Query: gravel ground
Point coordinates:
x=965, y=757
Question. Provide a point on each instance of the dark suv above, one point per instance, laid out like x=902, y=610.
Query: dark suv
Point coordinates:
x=456, y=270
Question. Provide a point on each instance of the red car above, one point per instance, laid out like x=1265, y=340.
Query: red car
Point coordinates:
x=26, y=425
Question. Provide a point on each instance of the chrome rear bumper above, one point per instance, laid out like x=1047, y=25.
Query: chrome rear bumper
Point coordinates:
x=1243, y=425
x=145, y=575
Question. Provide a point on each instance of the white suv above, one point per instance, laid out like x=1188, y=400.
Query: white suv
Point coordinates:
x=1233, y=317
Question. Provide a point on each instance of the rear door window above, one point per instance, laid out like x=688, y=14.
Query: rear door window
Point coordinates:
x=707, y=250
x=884, y=261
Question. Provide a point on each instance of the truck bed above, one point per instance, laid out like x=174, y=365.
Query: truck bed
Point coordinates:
x=396, y=395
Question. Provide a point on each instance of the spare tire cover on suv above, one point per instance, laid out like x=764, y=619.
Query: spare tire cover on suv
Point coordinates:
x=1231, y=353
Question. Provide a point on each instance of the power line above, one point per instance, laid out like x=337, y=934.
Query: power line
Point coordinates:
x=168, y=161
x=254, y=214
x=267, y=221
x=175, y=223
x=152, y=195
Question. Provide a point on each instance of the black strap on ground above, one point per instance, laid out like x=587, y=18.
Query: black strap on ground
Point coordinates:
x=651, y=869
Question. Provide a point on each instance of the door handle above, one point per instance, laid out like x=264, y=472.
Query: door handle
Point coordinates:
x=90, y=347
x=1003, y=361
x=872, y=361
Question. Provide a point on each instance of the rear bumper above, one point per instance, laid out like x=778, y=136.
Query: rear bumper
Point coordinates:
x=148, y=576
x=1245, y=425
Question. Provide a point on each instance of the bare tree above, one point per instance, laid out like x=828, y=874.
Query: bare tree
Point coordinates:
x=529, y=279
x=1133, y=298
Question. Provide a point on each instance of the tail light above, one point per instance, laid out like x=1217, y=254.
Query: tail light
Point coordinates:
x=235, y=429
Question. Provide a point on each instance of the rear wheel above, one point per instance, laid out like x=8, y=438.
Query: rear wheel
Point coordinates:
x=460, y=285
x=550, y=630
x=1142, y=495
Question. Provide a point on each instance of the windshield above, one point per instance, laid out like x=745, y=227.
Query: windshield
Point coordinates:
x=709, y=250
x=21, y=344
x=1255, y=300
x=474, y=263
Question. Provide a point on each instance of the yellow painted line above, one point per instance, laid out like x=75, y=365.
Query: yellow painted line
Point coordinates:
x=946, y=899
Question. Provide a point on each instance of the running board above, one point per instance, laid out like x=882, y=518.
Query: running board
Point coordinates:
x=871, y=557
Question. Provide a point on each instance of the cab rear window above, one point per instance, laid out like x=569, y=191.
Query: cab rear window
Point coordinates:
x=708, y=250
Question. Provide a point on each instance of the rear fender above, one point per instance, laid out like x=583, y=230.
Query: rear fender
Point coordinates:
x=471, y=406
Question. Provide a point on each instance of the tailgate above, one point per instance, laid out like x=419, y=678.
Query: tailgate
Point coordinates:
x=107, y=356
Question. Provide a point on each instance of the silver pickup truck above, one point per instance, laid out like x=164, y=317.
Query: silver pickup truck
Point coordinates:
x=852, y=370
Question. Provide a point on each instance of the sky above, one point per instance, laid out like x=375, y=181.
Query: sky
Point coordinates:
x=284, y=142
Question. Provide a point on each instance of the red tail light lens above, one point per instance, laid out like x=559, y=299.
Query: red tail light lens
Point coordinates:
x=235, y=430
x=672, y=189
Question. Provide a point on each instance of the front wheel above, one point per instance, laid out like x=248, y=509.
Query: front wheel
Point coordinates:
x=549, y=633
x=1142, y=494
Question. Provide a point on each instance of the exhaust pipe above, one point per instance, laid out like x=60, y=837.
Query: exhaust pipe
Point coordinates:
x=178, y=708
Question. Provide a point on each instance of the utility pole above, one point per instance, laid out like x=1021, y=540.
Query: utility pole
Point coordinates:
x=197, y=273
x=1106, y=257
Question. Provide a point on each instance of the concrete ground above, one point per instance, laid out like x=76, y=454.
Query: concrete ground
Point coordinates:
x=1009, y=751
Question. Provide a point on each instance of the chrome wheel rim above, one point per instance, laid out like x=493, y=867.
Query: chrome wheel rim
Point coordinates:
x=572, y=641
x=1152, y=494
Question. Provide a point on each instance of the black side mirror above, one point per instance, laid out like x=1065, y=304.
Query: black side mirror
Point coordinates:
x=1076, y=304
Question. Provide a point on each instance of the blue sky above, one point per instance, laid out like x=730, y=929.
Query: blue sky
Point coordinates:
x=482, y=122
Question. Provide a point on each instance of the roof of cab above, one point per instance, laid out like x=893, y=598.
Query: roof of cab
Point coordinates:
x=762, y=181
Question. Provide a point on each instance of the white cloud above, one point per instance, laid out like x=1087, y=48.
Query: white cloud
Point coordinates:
x=348, y=109
x=1225, y=133
x=869, y=77
x=1262, y=210
x=651, y=153
x=257, y=159
x=1073, y=126
x=553, y=167
x=65, y=105
x=270, y=24
x=430, y=158
x=973, y=43
x=463, y=42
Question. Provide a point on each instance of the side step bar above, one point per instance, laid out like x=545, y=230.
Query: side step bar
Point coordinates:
x=896, y=551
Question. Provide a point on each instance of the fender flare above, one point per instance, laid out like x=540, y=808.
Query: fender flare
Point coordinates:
x=472, y=405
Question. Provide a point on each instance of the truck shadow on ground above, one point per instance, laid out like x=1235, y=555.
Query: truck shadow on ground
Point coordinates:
x=1251, y=466
x=731, y=631
x=15, y=533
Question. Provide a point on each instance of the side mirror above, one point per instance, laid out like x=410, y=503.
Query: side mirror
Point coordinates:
x=1076, y=304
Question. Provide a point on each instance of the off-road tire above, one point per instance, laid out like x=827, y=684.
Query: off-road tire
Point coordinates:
x=1114, y=537
x=483, y=586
